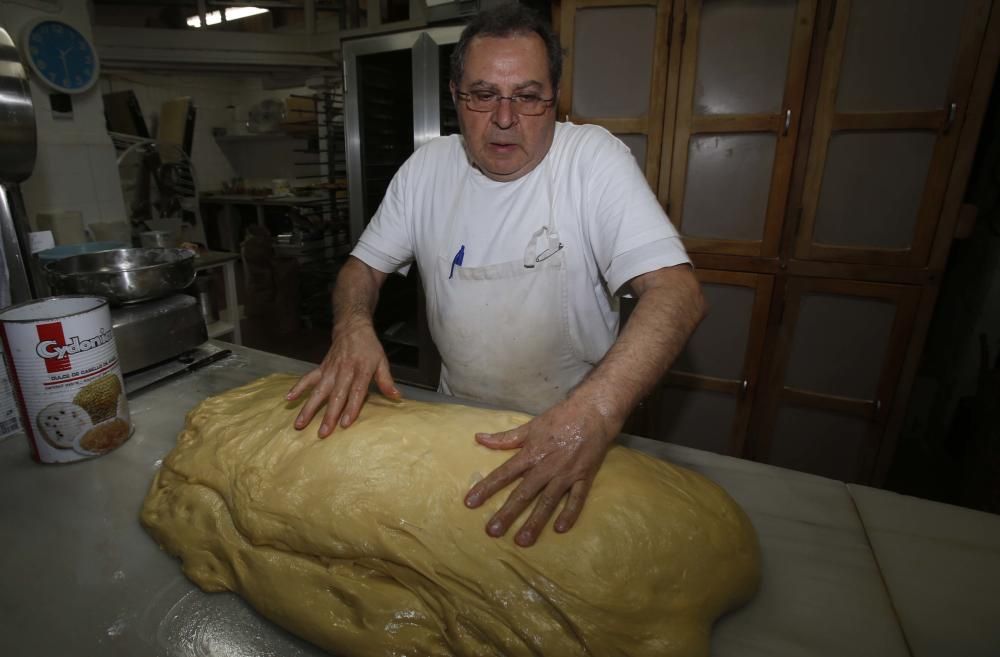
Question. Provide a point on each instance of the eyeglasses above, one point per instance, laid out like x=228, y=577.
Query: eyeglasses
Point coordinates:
x=488, y=101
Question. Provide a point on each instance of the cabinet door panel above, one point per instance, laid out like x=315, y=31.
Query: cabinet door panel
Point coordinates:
x=705, y=399
x=742, y=165
x=899, y=56
x=602, y=87
x=840, y=344
x=742, y=80
x=892, y=94
x=743, y=51
x=719, y=345
x=836, y=363
x=637, y=144
x=820, y=441
x=885, y=173
x=614, y=74
x=702, y=419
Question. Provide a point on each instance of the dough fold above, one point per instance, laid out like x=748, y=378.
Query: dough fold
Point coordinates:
x=361, y=542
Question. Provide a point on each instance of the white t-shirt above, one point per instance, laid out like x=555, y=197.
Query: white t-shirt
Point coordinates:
x=610, y=223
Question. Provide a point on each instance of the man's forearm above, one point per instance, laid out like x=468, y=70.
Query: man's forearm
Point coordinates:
x=356, y=293
x=670, y=307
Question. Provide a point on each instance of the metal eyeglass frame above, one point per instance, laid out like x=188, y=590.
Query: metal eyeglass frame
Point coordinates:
x=544, y=104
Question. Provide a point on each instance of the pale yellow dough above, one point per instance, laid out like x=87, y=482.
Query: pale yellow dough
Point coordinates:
x=361, y=543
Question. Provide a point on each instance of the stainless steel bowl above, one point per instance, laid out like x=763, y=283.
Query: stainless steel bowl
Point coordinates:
x=123, y=275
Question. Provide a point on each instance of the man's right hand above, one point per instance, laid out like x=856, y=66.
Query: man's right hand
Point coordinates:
x=342, y=379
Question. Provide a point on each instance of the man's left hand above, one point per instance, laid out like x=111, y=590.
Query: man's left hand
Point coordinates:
x=561, y=452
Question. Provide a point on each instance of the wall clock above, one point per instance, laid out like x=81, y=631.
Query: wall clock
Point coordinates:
x=61, y=57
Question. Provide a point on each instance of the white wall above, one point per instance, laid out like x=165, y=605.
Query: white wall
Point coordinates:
x=220, y=102
x=211, y=95
x=75, y=167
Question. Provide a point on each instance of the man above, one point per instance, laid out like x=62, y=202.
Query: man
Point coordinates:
x=520, y=228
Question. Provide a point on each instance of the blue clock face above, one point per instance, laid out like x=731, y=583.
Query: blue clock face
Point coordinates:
x=62, y=56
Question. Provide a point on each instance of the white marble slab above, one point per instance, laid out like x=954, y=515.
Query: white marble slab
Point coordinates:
x=941, y=564
x=821, y=592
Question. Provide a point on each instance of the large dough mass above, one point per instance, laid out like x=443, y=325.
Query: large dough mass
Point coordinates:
x=361, y=543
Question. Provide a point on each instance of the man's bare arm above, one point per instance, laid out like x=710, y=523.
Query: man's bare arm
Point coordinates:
x=669, y=309
x=355, y=356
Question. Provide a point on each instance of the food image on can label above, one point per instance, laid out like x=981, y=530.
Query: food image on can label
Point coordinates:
x=63, y=365
x=63, y=423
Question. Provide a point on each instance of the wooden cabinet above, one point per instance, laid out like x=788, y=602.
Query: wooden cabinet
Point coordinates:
x=742, y=78
x=706, y=399
x=893, y=95
x=833, y=372
x=813, y=155
x=597, y=88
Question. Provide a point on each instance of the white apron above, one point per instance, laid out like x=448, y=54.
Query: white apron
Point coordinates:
x=503, y=329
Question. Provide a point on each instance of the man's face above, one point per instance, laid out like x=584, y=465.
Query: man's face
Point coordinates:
x=504, y=144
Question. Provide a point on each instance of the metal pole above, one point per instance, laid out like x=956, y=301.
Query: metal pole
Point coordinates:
x=16, y=244
x=203, y=13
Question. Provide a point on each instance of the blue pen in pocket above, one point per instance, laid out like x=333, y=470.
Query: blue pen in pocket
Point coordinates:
x=457, y=260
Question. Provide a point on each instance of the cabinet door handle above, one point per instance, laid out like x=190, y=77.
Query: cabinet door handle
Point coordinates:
x=950, y=121
x=788, y=122
x=744, y=387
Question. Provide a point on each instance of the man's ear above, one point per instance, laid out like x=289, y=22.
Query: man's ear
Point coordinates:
x=454, y=93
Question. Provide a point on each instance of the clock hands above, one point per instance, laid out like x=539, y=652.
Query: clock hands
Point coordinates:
x=62, y=56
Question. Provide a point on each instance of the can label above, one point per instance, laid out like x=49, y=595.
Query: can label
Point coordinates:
x=64, y=369
x=9, y=422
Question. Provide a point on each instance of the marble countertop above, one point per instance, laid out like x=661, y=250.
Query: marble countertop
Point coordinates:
x=941, y=566
x=847, y=570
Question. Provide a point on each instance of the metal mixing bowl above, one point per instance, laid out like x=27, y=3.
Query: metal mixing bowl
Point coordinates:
x=123, y=275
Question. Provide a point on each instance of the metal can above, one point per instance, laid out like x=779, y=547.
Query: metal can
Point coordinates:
x=63, y=366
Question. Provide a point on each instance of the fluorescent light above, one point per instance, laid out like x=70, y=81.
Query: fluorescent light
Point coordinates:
x=232, y=14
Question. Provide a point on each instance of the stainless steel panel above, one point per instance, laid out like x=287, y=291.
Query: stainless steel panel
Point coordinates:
x=17, y=116
x=18, y=148
x=15, y=242
x=351, y=49
x=743, y=50
x=426, y=112
x=613, y=61
x=728, y=185
x=154, y=331
x=899, y=55
x=819, y=441
x=718, y=346
x=840, y=345
x=873, y=184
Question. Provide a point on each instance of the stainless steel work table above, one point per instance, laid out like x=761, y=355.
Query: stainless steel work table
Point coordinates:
x=81, y=578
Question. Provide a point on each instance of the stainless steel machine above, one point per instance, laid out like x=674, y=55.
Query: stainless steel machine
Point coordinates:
x=17, y=160
x=158, y=332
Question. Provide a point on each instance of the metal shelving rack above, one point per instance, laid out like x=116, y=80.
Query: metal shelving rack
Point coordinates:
x=322, y=164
